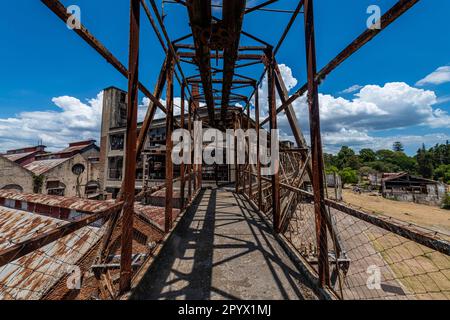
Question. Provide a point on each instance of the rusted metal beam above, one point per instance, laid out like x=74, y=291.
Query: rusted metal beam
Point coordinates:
x=236, y=165
x=23, y=248
x=190, y=150
x=241, y=56
x=283, y=93
x=153, y=24
x=241, y=48
x=289, y=26
x=390, y=16
x=258, y=156
x=276, y=203
x=200, y=20
x=151, y=110
x=250, y=178
x=316, y=147
x=56, y=7
x=130, y=151
x=235, y=81
x=182, y=165
x=259, y=6
x=233, y=16
x=169, y=146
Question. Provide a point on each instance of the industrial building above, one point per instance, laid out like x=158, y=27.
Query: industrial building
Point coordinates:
x=72, y=171
x=150, y=168
x=405, y=187
x=264, y=235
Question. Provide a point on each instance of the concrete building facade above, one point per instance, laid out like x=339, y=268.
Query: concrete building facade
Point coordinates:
x=112, y=146
x=73, y=171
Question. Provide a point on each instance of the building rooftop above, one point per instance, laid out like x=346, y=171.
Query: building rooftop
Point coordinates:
x=77, y=146
x=72, y=203
x=31, y=276
x=39, y=167
x=18, y=156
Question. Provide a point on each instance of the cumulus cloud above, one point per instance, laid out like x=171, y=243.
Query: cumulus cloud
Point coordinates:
x=73, y=120
x=372, y=110
x=356, y=122
x=439, y=76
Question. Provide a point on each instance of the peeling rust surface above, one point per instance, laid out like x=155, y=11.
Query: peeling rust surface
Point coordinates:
x=32, y=275
x=72, y=203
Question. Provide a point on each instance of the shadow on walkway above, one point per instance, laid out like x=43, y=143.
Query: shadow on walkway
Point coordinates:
x=221, y=249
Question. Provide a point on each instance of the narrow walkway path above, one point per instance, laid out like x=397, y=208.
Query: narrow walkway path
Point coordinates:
x=222, y=250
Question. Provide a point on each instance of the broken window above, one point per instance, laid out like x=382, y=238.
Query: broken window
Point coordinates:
x=55, y=188
x=115, y=165
x=117, y=141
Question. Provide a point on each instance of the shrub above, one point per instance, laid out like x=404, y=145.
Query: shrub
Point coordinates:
x=446, y=202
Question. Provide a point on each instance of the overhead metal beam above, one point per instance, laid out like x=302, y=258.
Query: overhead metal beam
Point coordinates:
x=233, y=16
x=200, y=20
x=61, y=11
x=390, y=16
x=257, y=7
x=242, y=56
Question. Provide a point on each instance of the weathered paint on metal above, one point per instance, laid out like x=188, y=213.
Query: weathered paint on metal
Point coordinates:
x=39, y=167
x=30, y=276
x=72, y=203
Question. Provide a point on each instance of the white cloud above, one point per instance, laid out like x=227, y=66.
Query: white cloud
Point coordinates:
x=352, y=89
x=373, y=109
x=74, y=120
x=439, y=76
x=353, y=122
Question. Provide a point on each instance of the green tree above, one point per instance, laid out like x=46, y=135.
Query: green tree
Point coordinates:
x=331, y=170
x=367, y=155
x=398, y=147
x=384, y=155
x=344, y=156
x=446, y=202
x=424, y=163
x=442, y=173
x=349, y=176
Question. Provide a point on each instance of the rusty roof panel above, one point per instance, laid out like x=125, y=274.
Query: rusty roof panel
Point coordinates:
x=155, y=214
x=32, y=275
x=17, y=156
x=72, y=203
x=42, y=166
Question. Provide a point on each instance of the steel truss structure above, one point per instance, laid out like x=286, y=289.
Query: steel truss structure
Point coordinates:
x=219, y=39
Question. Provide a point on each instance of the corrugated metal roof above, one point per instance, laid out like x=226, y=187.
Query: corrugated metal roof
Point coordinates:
x=73, y=203
x=32, y=275
x=17, y=156
x=42, y=166
x=155, y=214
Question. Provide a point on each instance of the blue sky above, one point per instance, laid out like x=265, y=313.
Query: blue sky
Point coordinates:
x=51, y=79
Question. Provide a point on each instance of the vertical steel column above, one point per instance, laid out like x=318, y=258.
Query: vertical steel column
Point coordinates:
x=236, y=165
x=316, y=146
x=130, y=150
x=182, y=166
x=250, y=193
x=276, y=203
x=244, y=175
x=258, y=159
x=169, y=145
x=190, y=151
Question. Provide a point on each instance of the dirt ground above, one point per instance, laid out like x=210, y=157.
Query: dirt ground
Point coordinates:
x=427, y=216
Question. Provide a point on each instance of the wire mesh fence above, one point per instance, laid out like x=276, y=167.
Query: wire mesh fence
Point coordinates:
x=369, y=256
x=374, y=260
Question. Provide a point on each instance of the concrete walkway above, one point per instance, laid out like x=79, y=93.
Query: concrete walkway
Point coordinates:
x=222, y=250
